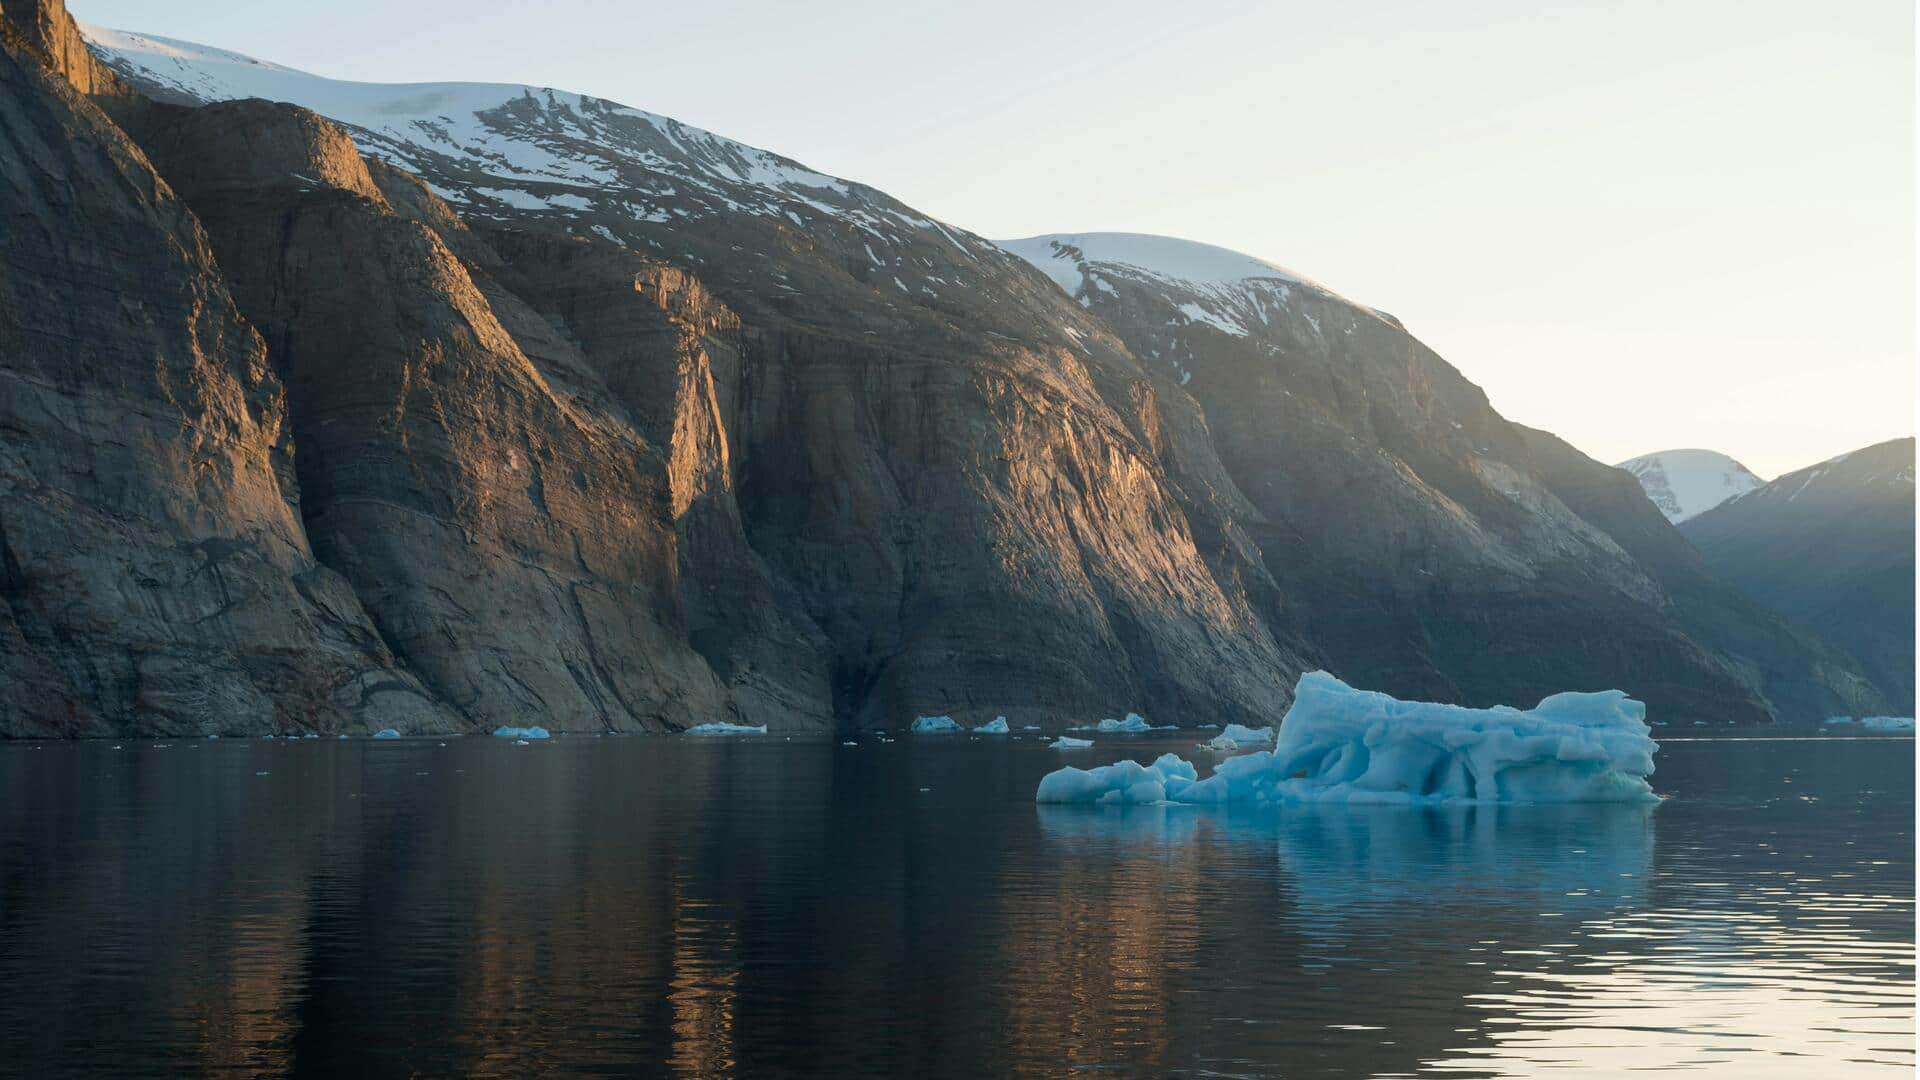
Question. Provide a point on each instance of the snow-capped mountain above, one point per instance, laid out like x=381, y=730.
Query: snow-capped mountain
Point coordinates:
x=1684, y=483
x=609, y=419
x=1830, y=546
x=513, y=153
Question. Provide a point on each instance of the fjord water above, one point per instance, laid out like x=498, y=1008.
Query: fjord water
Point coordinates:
x=758, y=906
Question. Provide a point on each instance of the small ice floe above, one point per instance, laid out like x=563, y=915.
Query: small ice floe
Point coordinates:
x=850, y=743
x=930, y=725
x=726, y=729
x=212, y=737
x=1238, y=737
x=1887, y=723
x=263, y=772
x=386, y=733
x=1068, y=742
x=340, y=736
x=1121, y=782
x=1132, y=725
x=1339, y=744
x=506, y=732
x=1029, y=727
x=309, y=735
x=995, y=726
x=521, y=742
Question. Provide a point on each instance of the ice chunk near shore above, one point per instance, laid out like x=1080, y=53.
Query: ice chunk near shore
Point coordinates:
x=1068, y=742
x=505, y=732
x=929, y=724
x=1887, y=723
x=1237, y=737
x=1123, y=782
x=723, y=728
x=1338, y=744
x=386, y=733
x=1132, y=725
x=995, y=726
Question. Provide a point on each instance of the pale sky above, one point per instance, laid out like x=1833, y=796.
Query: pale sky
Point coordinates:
x=1639, y=224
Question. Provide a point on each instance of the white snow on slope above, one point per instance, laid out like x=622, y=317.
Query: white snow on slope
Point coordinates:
x=1684, y=483
x=1338, y=744
x=1060, y=255
x=483, y=145
x=1232, y=293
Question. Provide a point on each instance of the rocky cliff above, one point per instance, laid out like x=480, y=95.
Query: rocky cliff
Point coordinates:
x=154, y=570
x=1831, y=547
x=1434, y=548
x=542, y=409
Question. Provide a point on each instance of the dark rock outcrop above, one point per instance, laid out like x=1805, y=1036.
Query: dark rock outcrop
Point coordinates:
x=1433, y=548
x=1831, y=548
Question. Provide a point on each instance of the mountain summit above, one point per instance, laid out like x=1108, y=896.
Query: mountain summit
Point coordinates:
x=1685, y=483
x=450, y=406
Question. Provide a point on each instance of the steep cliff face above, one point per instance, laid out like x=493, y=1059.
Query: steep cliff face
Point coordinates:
x=506, y=524
x=154, y=574
x=964, y=482
x=1433, y=548
x=1830, y=547
x=639, y=427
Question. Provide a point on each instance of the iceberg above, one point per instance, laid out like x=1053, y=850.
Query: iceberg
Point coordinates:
x=1887, y=723
x=386, y=733
x=930, y=724
x=1339, y=744
x=1067, y=742
x=726, y=729
x=505, y=732
x=995, y=726
x=1133, y=724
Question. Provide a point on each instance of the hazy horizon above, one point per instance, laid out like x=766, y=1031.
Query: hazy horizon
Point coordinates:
x=1639, y=228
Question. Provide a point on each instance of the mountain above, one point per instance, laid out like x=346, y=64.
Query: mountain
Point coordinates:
x=536, y=407
x=1685, y=483
x=1427, y=545
x=1831, y=546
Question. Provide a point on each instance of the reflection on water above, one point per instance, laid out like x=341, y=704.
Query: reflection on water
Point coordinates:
x=715, y=907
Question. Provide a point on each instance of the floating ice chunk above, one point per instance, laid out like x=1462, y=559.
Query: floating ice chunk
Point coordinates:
x=308, y=735
x=505, y=732
x=386, y=733
x=1133, y=724
x=1219, y=744
x=521, y=742
x=849, y=744
x=930, y=724
x=1121, y=782
x=1338, y=744
x=1245, y=736
x=1068, y=742
x=1029, y=727
x=1887, y=723
x=726, y=729
x=995, y=726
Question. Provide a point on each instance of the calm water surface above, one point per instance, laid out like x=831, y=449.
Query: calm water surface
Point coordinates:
x=764, y=907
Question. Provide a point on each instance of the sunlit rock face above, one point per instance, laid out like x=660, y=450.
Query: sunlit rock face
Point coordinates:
x=598, y=420
x=1428, y=546
x=154, y=571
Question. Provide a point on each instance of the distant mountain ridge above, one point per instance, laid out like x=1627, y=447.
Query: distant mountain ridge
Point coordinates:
x=576, y=414
x=1686, y=483
x=1831, y=546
